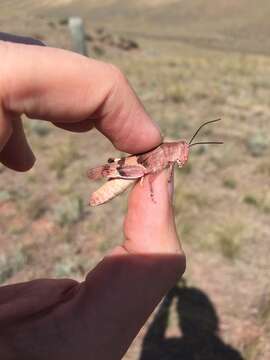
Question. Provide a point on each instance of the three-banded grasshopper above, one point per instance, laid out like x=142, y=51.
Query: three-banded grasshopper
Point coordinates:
x=123, y=172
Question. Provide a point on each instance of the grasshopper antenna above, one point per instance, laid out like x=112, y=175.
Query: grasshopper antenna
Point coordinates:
x=206, y=142
x=193, y=137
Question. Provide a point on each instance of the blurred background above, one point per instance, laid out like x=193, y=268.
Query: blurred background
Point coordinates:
x=189, y=61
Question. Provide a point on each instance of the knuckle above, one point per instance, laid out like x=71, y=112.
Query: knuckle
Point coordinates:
x=117, y=75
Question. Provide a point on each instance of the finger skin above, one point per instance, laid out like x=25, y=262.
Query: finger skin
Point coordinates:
x=149, y=224
x=73, y=91
x=15, y=151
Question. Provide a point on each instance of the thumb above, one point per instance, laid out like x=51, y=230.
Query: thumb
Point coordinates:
x=149, y=224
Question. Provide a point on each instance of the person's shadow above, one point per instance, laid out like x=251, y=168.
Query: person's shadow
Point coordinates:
x=199, y=325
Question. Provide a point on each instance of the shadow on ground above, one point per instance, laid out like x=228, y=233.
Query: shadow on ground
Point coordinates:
x=199, y=326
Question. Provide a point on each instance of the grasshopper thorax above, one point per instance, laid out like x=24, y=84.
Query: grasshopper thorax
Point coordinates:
x=176, y=152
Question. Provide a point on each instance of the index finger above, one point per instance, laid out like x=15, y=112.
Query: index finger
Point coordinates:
x=65, y=88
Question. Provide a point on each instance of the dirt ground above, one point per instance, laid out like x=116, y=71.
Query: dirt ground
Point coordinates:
x=186, y=72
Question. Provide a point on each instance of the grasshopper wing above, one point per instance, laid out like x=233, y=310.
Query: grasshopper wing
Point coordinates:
x=109, y=190
x=116, y=170
x=107, y=171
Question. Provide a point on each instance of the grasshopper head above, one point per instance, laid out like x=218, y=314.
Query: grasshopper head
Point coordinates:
x=182, y=153
x=183, y=146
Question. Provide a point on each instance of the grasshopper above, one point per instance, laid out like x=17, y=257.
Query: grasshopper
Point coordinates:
x=123, y=172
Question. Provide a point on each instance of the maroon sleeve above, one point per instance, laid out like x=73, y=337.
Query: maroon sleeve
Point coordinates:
x=20, y=39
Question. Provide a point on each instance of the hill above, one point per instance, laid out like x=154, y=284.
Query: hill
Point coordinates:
x=241, y=25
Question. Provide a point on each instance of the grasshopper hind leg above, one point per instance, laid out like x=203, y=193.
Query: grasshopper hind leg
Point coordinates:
x=151, y=179
x=170, y=173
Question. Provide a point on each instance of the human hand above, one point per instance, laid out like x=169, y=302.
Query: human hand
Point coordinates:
x=71, y=91
x=98, y=318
